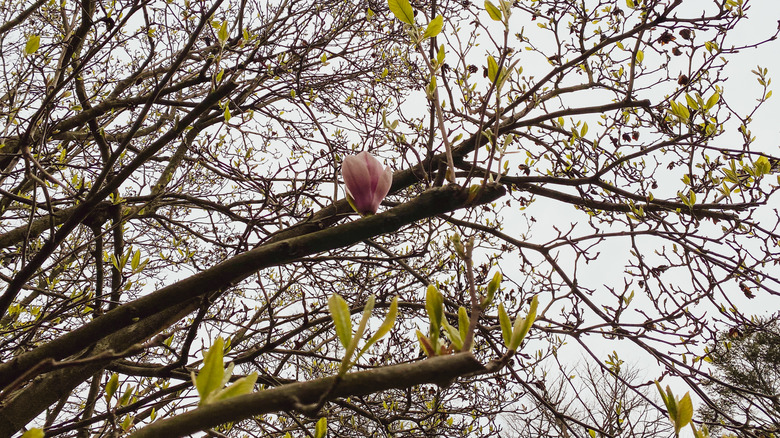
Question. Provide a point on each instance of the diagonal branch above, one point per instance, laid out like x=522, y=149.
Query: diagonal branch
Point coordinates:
x=440, y=370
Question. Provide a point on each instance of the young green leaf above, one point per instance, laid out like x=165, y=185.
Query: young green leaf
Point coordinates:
x=321, y=429
x=426, y=344
x=366, y=316
x=359, y=333
x=700, y=433
x=453, y=334
x=223, y=35
x=463, y=322
x=430, y=91
x=762, y=166
x=227, y=373
x=34, y=433
x=434, y=306
x=492, y=10
x=712, y=100
x=33, y=42
x=440, y=54
x=692, y=103
x=669, y=401
x=127, y=422
x=672, y=403
x=125, y=399
x=523, y=325
x=492, y=287
x=210, y=375
x=242, y=386
x=492, y=69
x=111, y=386
x=136, y=260
x=684, y=412
x=387, y=324
x=434, y=27
x=455, y=239
x=402, y=10
x=517, y=329
x=339, y=312
x=506, y=325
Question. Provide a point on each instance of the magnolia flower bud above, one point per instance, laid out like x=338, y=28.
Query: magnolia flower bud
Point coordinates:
x=367, y=182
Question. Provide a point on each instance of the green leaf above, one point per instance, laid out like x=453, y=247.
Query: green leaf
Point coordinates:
x=210, y=375
x=434, y=27
x=387, y=324
x=33, y=42
x=223, y=35
x=430, y=91
x=669, y=400
x=681, y=111
x=369, y=307
x=712, y=100
x=691, y=101
x=111, y=386
x=463, y=321
x=492, y=10
x=226, y=114
x=492, y=69
x=339, y=312
x=242, y=386
x=630, y=4
x=402, y=10
x=506, y=325
x=523, y=325
x=359, y=333
x=227, y=373
x=136, y=260
x=426, y=344
x=492, y=287
x=763, y=166
x=701, y=433
x=684, y=412
x=592, y=433
x=453, y=334
x=125, y=399
x=321, y=428
x=440, y=54
x=127, y=422
x=640, y=56
x=434, y=306
x=34, y=433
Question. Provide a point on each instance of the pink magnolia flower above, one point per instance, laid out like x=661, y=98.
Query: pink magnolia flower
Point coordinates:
x=366, y=181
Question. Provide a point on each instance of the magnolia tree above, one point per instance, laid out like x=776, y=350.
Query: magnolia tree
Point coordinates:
x=363, y=218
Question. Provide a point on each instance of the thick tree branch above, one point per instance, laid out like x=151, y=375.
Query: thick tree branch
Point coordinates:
x=439, y=370
x=170, y=303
